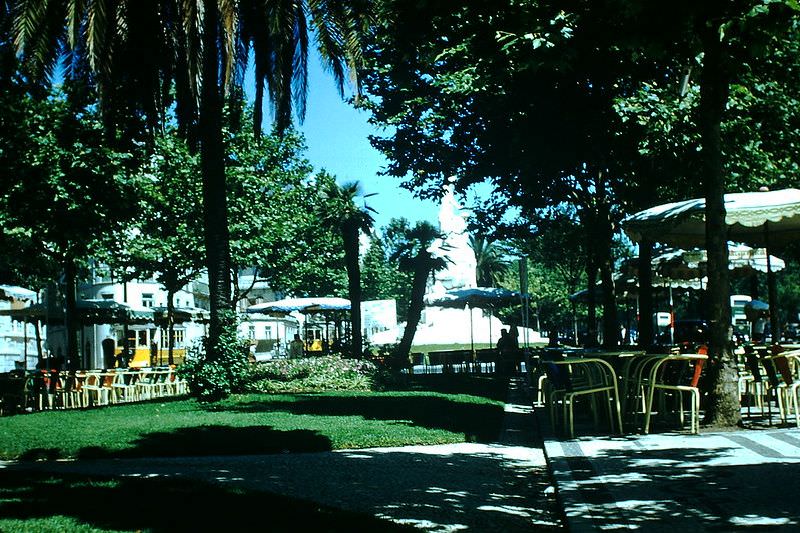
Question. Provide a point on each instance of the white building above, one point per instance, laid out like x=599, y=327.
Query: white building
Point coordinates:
x=145, y=338
x=17, y=339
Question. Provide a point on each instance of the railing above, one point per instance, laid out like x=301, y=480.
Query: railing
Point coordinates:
x=49, y=389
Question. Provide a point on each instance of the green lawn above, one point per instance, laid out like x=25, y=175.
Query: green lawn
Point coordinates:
x=427, y=348
x=435, y=410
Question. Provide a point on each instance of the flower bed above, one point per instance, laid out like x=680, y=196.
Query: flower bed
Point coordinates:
x=312, y=374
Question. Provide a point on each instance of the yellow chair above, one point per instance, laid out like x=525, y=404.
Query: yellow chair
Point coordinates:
x=123, y=387
x=658, y=381
x=68, y=393
x=571, y=378
x=94, y=391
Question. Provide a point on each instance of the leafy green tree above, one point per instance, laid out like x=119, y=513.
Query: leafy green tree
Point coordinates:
x=338, y=208
x=201, y=50
x=164, y=241
x=382, y=277
x=523, y=95
x=376, y=272
x=275, y=225
x=518, y=95
x=558, y=256
x=63, y=190
x=415, y=257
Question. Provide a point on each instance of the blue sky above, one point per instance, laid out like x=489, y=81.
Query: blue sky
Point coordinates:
x=336, y=135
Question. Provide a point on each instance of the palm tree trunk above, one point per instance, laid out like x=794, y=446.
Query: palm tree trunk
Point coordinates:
x=217, y=239
x=350, y=235
x=723, y=406
x=421, y=271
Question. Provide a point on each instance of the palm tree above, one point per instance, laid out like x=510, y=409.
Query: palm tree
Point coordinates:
x=338, y=208
x=143, y=56
x=489, y=263
x=415, y=256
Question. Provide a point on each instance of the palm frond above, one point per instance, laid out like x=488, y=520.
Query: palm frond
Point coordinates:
x=229, y=22
x=300, y=63
x=39, y=35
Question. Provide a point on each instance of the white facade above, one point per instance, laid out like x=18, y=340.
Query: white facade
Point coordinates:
x=378, y=317
x=137, y=294
x=269, y=336
x=17, y=341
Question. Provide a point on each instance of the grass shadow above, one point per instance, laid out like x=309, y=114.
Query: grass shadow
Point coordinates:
x=488, y=386
x=478, y=422
x=32, y=501
x=216, y=440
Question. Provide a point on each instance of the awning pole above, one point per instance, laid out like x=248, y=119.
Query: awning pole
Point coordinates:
x=471, y=335
x=773, y=292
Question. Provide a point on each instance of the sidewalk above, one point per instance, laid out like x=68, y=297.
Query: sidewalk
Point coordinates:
x=723, y=481
x=502, y=486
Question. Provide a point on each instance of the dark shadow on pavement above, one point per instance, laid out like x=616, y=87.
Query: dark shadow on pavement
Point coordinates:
x=39, y=501
x=482, y=489
x=685, y=487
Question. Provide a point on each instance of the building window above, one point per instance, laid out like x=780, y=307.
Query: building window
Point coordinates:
x=251, y=332
x=141, y=339
x=267, y=332
x=178, y=336
x=147, y=299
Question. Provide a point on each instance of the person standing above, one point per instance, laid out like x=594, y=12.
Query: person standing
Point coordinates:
x=296, y=347
x=504, y=352
x=109, y=346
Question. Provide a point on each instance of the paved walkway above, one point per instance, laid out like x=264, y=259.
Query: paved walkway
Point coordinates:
x=465, y=487
x=725, y=481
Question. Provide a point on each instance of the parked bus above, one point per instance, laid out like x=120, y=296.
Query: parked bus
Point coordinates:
x=739, y=320
x=140, y=339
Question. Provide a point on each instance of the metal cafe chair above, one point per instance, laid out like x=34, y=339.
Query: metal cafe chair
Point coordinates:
x=572, y=378
x=668, y=375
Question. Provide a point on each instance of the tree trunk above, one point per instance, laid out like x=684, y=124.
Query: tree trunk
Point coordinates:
x=574, y=323
x=39, y=352
x=645, y=294
x=350, y=237
x=70, y=318
x=610, y=322
x=605, y=231
x=723, y=406
x=217, y=239
x=421, y=272
x=170, y=327
x=591, y=305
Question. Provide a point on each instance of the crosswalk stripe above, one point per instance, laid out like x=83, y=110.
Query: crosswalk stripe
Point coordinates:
x=756, y=447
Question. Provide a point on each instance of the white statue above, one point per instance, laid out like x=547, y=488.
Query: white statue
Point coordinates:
x=461, y=264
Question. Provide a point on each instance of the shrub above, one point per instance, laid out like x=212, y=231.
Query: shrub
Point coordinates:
x=312, y=374
x=215, y=379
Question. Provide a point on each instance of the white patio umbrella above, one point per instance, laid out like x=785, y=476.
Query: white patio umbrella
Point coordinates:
x=320, y=304
x=476, y=297
x=308, y=305
x=13, y=292
x=764, y=218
